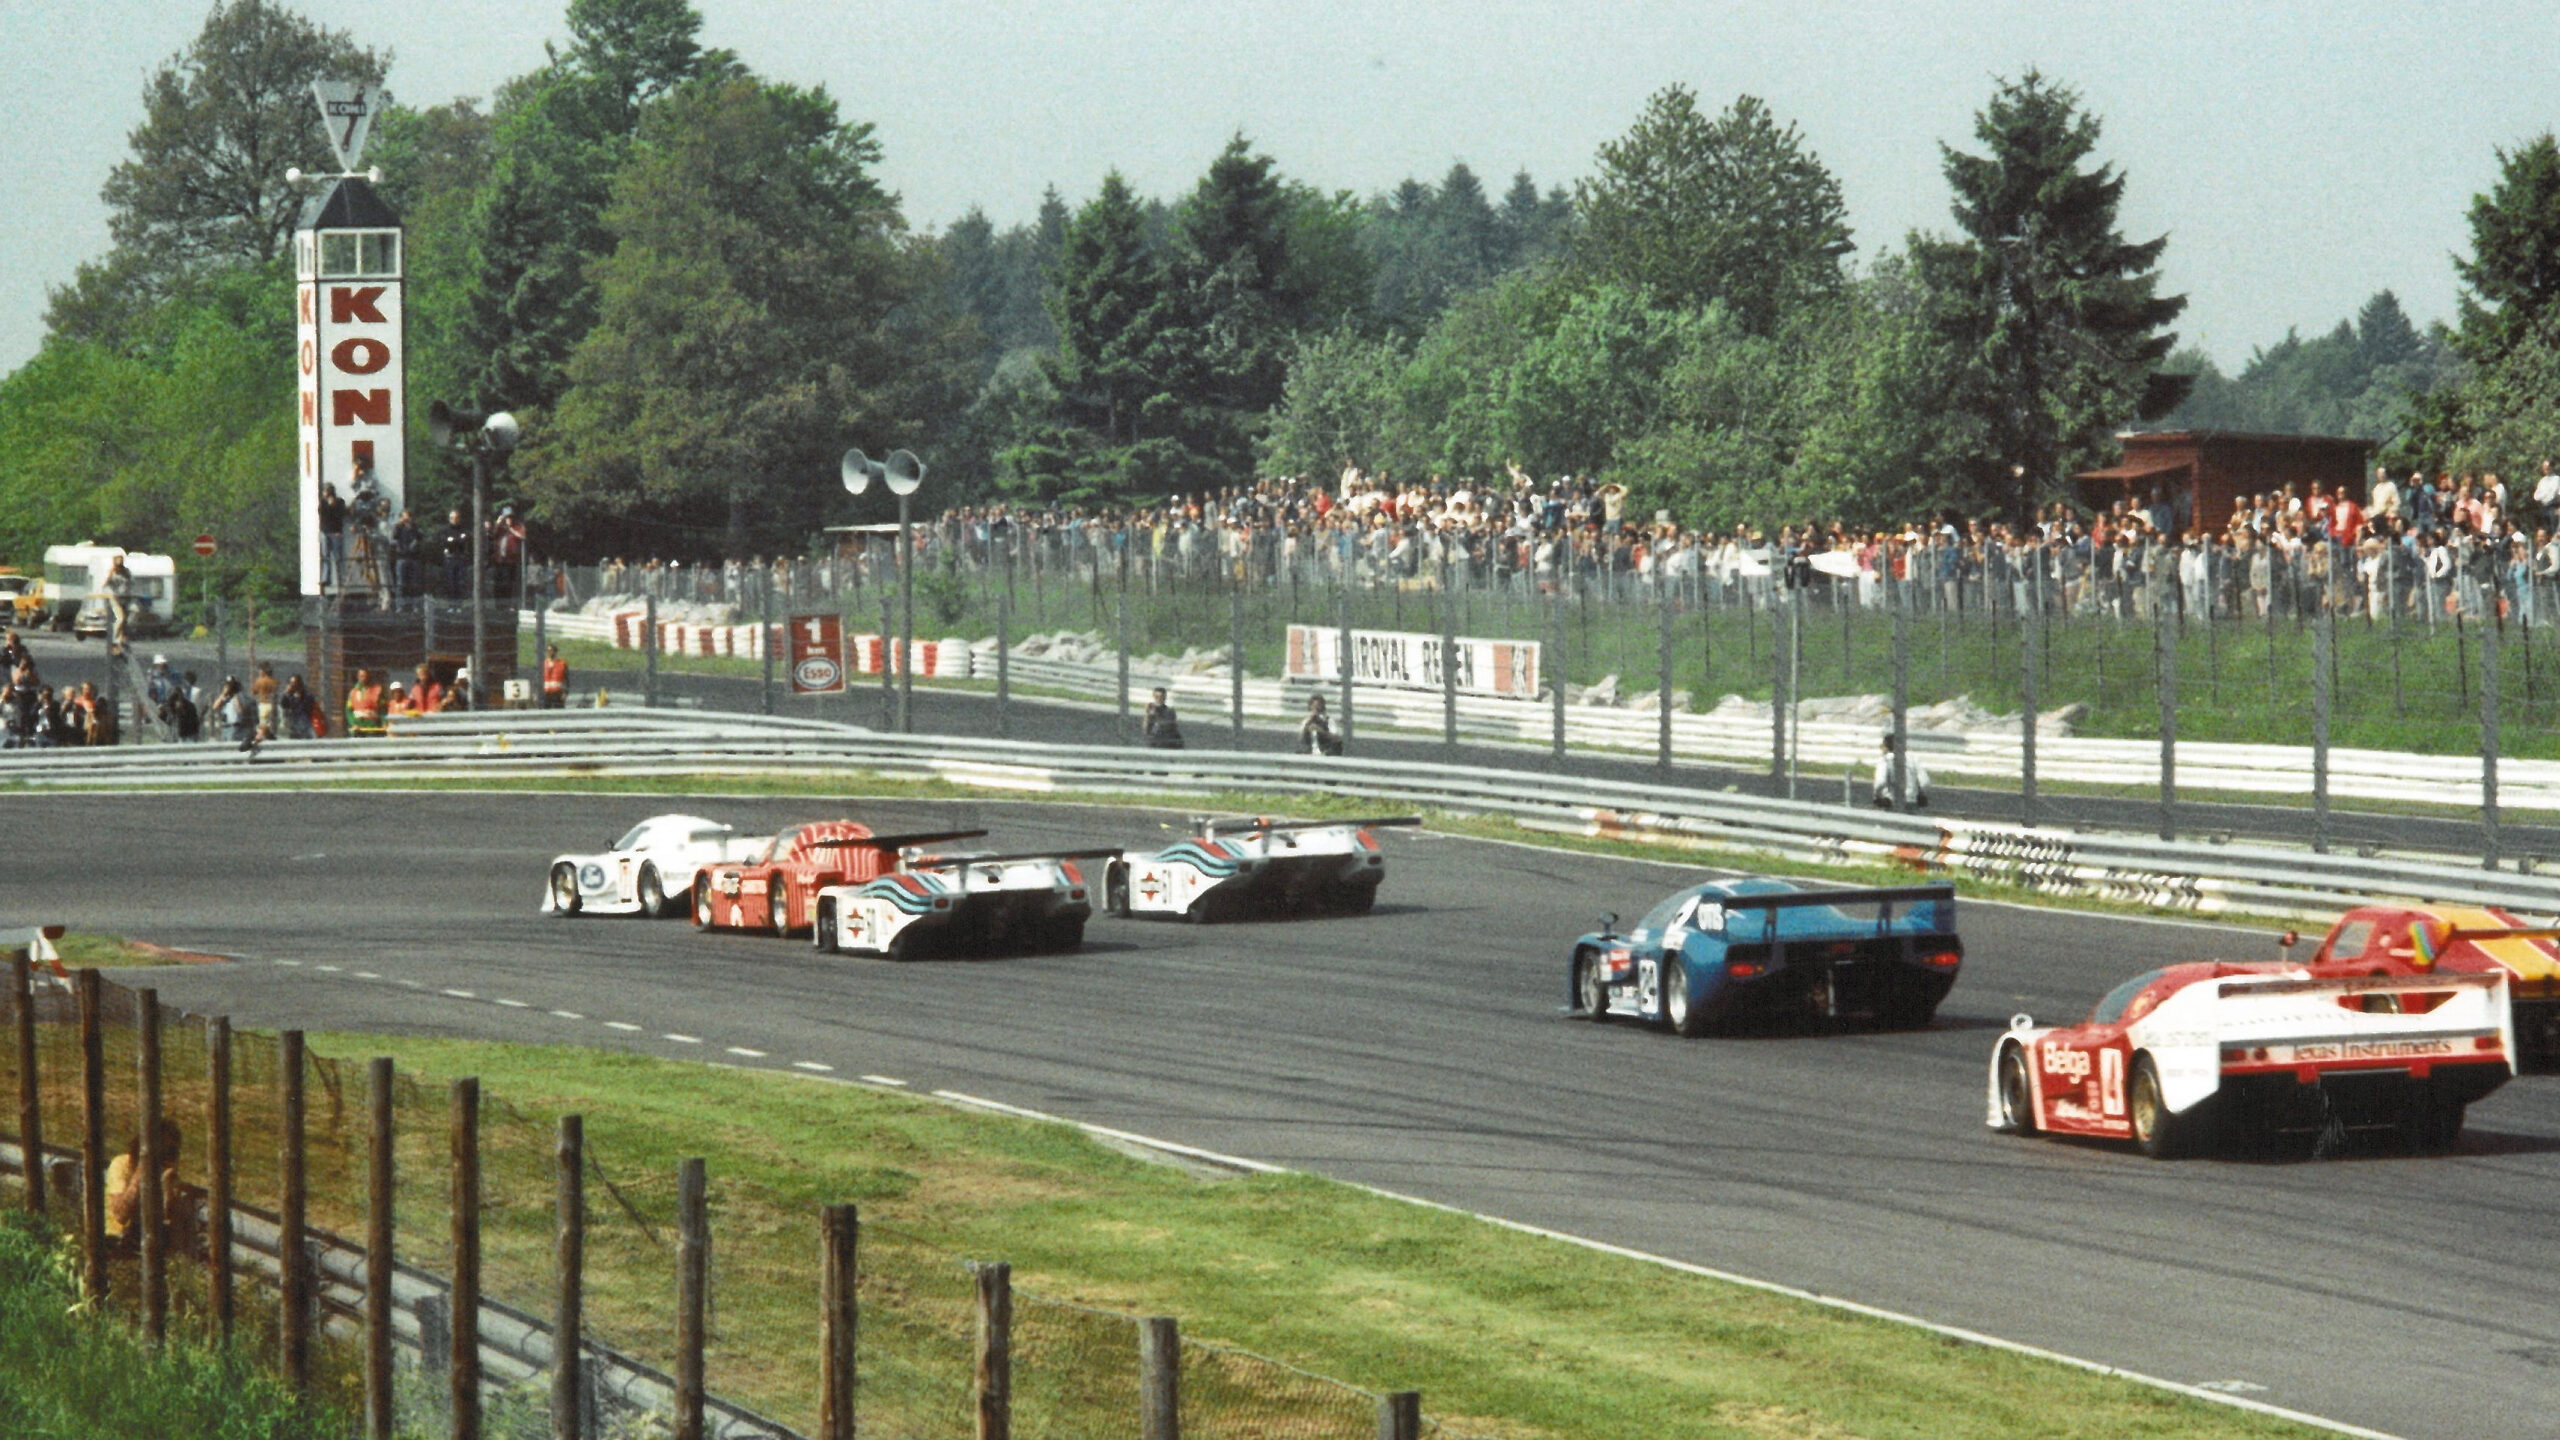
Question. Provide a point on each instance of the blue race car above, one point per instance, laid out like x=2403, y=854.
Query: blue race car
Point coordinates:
x=1736, y=953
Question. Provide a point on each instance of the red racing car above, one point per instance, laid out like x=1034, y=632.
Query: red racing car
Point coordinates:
x=777, y=891
x=2449, y=939
x=2181, y=1058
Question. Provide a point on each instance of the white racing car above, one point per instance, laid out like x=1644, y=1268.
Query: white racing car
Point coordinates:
x=649, y=871
x=1230, y=869
x=955, y=905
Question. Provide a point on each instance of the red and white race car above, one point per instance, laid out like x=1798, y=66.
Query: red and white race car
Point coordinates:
x=2179, y=1059
x=776, y=891
x=649, y=871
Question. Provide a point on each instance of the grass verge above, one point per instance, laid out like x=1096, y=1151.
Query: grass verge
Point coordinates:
x=1506, y=1334
x=67, y=1372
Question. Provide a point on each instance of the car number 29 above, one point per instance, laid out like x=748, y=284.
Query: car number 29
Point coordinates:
x=1649, y=984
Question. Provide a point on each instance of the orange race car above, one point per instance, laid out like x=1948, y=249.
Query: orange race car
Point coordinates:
x=777, y=891
x=2424, y=939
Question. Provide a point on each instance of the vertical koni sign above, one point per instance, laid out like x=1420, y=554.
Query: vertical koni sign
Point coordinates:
x=348, y=363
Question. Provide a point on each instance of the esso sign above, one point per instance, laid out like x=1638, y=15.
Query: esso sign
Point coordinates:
x=816, y=675
x=817, y=654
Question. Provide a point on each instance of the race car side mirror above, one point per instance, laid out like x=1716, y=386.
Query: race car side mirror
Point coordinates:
x=2022, y=1021
x=1609, y=923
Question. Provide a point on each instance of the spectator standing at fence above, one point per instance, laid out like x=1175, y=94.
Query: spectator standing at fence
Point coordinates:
x=13, y=653
x=235, y=716
x=506, y=553
x=262, y=693
x=555, y=680
x=426, y=697
x=1915, y=781
x=181, y=1204
x=333, y=539
x=365, y=699
x=455, y=546
x=407, y=544
x=301, y=713
x=1159, y=725
x=20, y=705
x=179, y=712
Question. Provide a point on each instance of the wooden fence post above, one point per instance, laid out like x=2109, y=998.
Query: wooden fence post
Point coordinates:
x=379, y=1235
x=1400, y=1416
x=153, y=1160
x=693, y=1246
x=995, y=1351
x=839, y=1321
x=217, y=1180
x=1159, y=1379
x=569, y=1268
x=93, y=1143
x=22, y=998
x=464, y=1375
x=293, y=1240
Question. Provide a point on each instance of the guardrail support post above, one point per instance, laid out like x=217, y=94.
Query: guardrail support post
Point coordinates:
x=2489, y=743
x=569, y=1272
x=1400, y=1416
x=1120, y=634
x=293, y=1250
x=463, y=1371
x=217, y=1181
x=888, y=663
x=839, y=1321
x=2322, y=638
x=1662, y=672
x=995, y=1352
x=378, y=1238
x=1555, y=666
x=154, y=1161
x=1004, y=662
x=1235, y=656
x=2164, y=650
x=693, y=1274
x=2031, y=646
x=1448, y=662
x=1342, y=602
x=764, y=634
x=1777, y=692
x=22, y=1009
x=93, y=1144
x=1159, y=1379
x=1901, y=769
x=649, y=652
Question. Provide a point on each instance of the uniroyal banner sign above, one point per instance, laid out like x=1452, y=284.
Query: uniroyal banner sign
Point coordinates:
x=347, y=362
x=1389, y=657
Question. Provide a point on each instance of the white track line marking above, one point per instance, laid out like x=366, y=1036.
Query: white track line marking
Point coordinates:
x=568, y=1014
x=295, y=963
x=813, y=1066
x=890, y=1080
x=366, y=975
x=459, y=994
x=682, y=1039
x=619, y=1025
x=332, y=969
x=743, y=1050
x=513, y=1004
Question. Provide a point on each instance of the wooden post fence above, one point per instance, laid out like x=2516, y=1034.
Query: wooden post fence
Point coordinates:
x=995, y=1351
x=379, y=1234
x=93, y=1144
x=569, y=1270
x=1159, y=1379
x=693, y=1274
x=1400, y=1416
x=153, y=1159
x=838, y=1321
x=217, y=1180
x=293, y=1242
x=22, y=1007
x=463, y=1374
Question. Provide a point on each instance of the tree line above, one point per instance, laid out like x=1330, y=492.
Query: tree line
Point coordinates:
x=689, y=283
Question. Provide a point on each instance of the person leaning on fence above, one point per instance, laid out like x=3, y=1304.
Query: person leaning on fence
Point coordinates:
x=1162, y=730
x=1915, y=781
x=365, y=700
x=181, y=1204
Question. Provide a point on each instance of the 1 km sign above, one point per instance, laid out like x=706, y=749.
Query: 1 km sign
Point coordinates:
x=817, y=654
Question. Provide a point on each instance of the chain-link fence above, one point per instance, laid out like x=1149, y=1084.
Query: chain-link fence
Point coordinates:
x=264, y=1140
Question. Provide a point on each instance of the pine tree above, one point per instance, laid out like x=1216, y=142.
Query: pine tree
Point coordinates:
x=2055, y=312
x=2513, y=273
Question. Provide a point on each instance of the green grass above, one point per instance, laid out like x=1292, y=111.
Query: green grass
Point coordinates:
x=108, y=952
x=1506, y=1334
x=66, y=1372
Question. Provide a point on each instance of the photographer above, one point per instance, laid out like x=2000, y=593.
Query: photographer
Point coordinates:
x=1315, y=733
x=1161, y=729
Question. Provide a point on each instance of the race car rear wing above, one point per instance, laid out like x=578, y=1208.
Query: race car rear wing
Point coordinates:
x=1884, y=899
x=1255, y=826
x=893, y=842
x=936, y=862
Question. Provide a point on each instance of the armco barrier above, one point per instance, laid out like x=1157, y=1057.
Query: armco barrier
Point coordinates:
x=2190, y=875
x=2203, y=766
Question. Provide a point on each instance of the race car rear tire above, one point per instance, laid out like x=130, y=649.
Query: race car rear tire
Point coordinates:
x=1061, y=935
x=702, y=903
x=2017, y=1094
x=653, y=894
x=2430, y=1123
x=1677, y=1011
x=564, y=889
x=1590, y=990
x=2162, y=1133
x=822, y=928
x=1357, y=899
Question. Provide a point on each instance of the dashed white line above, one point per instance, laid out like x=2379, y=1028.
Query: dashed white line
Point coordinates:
x=681, y=1039
x=459, y=994
x=743, y=1050
x=294, y=963
x=619, y=1025
x=332, y=969
x=366, y=975
x=813, y=1065
x=514, y=1004
x=568, y=1014
x=412, y=984
x=881, y=1079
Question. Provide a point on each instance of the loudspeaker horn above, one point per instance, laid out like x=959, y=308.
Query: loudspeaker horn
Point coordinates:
x=904, y=471
x=860, y=470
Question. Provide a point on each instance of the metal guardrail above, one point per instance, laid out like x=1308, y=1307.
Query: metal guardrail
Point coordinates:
x=2191, y=875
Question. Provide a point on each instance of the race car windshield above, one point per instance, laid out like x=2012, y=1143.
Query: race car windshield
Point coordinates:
x=2112, y=1007
x=631, y=838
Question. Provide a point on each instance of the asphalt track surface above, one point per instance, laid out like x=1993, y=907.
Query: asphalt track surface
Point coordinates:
x=943, y=711
x=1420, y=1049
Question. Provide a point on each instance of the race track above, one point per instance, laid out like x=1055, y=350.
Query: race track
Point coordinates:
x=1421, y=1049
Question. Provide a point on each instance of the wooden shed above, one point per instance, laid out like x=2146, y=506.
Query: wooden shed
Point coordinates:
x=2201, y=471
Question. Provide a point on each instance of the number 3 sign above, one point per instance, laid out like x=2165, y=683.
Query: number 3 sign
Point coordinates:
x=817, y=655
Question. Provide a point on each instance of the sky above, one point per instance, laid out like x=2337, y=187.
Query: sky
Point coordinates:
x=2299, y=156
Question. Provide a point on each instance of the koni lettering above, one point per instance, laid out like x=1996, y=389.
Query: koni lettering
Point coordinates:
x=354, y=305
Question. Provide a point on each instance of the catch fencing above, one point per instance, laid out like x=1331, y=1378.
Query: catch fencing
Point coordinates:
x=2197, y=874
x=430, y=1261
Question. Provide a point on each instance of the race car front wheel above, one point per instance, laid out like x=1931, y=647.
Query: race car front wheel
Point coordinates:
x=702, y=903
x=1115, y=890
x=822, y=927
x=2017, y=1100
x=653, y=893
x=1590, y=991
x=564, y=889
